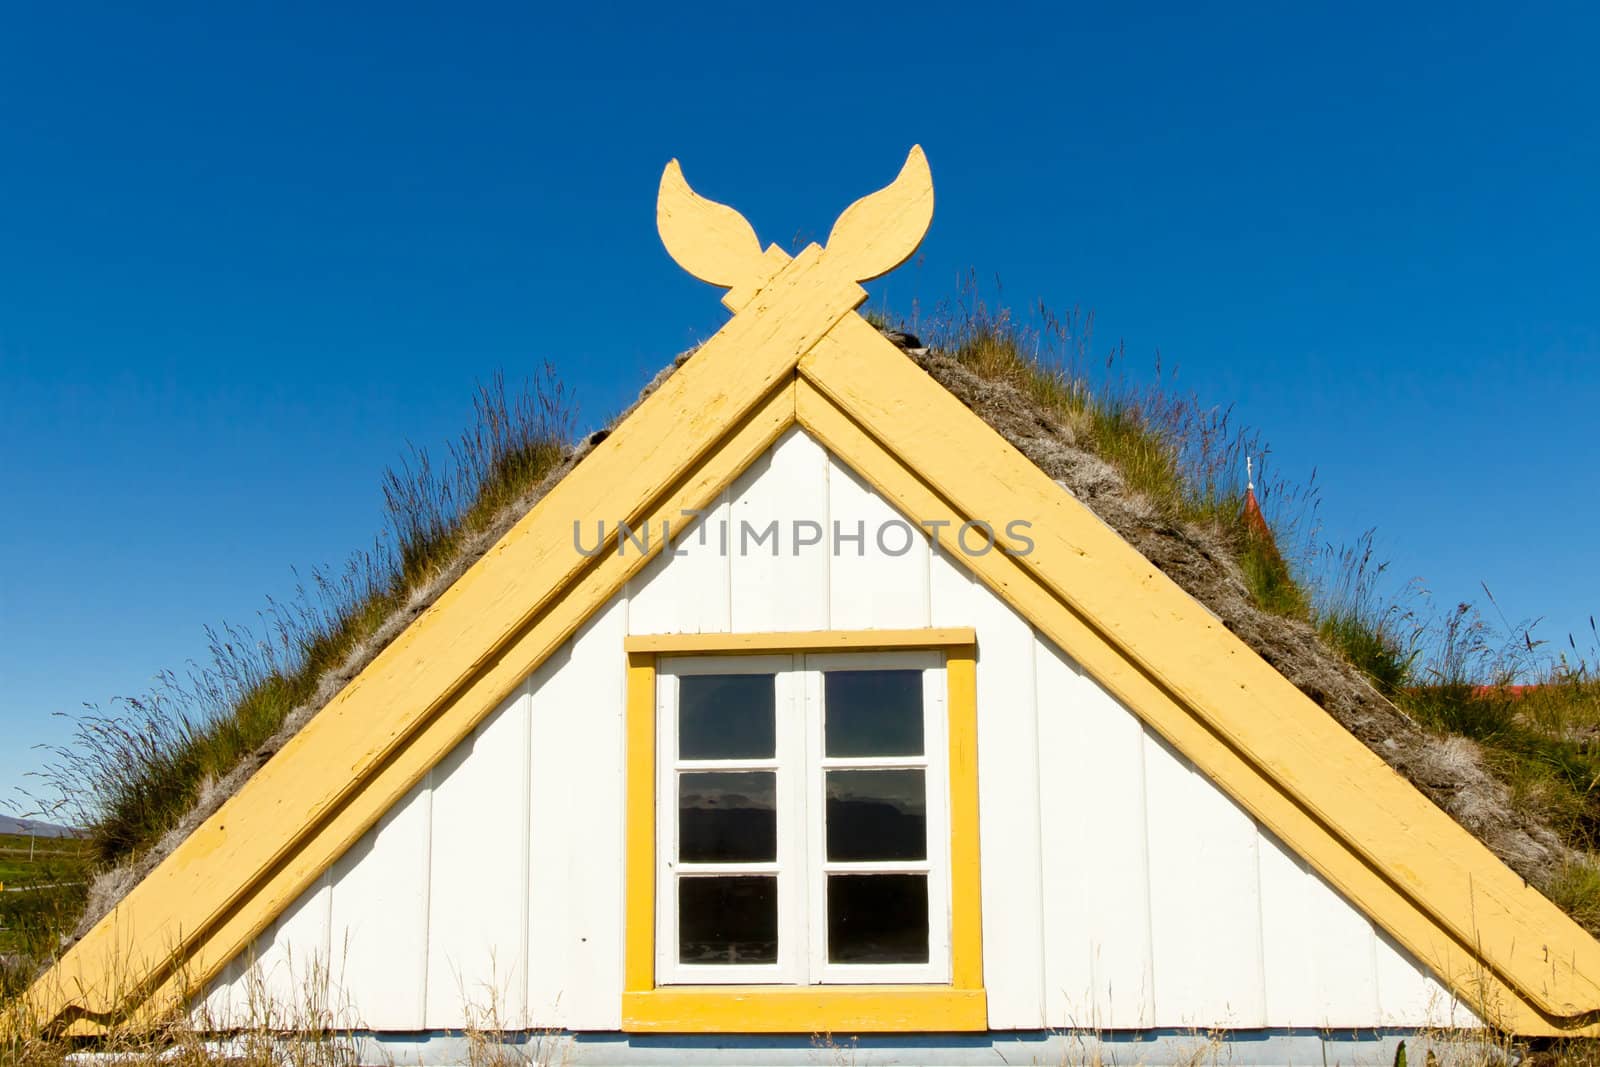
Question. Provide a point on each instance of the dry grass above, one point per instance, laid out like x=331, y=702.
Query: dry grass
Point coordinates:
x=1184, y=459
x=134, y=775
x=130, y=776
x=1448, y=671
x=295, y=1023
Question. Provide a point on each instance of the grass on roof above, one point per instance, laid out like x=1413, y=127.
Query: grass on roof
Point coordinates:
x=1184, y=458
x=131, y=775
x=1450, y=671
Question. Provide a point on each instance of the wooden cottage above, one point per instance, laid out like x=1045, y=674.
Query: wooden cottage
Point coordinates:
x=807, y=721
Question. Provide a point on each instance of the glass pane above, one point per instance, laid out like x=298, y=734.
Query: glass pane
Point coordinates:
x=877, y=815
x=726, y=716
x=727, y=817
x=873, y=713
x=728, y=919
x=878, y=918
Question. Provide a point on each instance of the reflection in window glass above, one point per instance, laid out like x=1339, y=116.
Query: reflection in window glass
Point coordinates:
x=726, y=716
x=877, y=815
x=872, y=713
x=878, y=918
x=732, y=919
x=727, y=816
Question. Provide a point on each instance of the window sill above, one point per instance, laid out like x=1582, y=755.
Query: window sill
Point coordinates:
x=751, y=1009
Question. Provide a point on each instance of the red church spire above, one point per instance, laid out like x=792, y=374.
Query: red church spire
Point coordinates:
x=1254, y=520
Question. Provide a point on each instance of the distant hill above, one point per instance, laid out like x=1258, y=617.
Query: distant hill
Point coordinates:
x=8, y=825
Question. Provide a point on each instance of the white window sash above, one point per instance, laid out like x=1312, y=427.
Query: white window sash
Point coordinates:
x=935, y=764
x=801, y=866
x=789, y=967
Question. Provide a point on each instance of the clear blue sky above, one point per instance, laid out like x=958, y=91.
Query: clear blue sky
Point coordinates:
x=247, y=254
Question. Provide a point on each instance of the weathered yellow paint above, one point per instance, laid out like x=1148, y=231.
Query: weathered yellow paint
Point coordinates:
x=799, y=641
x=639, y=939
x=1466, y=965
x=110, y=968
x=805, y=1009
x=709, y=240
x=961, y=1005
x=879, y=232
x=966, y=908
x=870, y=238
x=430, y=686
x=1416, y=873
x=439, y=735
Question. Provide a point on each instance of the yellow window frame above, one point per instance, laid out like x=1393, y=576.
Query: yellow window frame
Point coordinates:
x=959, y=1006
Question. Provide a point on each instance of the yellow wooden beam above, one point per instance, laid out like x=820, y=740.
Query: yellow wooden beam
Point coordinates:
x=334, y=779
x=804, y=1009
x=799, y=641
x=1500, y=945
x=959, y=1005
x=966, y=897
x=754, y=436
x=639, y=944
x=1410, y=867
x=430, y=686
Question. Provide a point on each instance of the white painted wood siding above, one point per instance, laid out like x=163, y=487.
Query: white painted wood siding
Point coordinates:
x=1121, y=889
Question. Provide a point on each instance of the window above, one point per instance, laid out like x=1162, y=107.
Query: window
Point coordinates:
x=803, y=833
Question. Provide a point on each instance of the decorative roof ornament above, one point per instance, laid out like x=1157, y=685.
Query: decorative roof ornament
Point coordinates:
x=716, y=244
x=796, y=355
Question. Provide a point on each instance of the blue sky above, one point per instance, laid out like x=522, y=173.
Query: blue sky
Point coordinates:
x=246, y=255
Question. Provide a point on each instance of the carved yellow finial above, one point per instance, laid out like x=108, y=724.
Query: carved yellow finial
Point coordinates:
x=709, y=240
x=880, y=231
x=873, y=236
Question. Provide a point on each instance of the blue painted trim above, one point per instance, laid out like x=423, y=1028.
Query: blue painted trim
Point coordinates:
x=1166, y=1047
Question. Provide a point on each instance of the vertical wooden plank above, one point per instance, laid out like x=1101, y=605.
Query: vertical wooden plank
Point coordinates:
x=517, y=1007
x=1318, y=950
x=1343, y=944
x=591, y=699
x=296, y=982
x=882, y=581
x=1008, y=817
x=685, y=588
x=1288, y=957
x=951, y=590
x=378, y=935
x=1064, y=812
x=777, y=584
x=1205, y=911
x=552, y=773
x=1109, y=795
x=428, y=781
x=478, y=874
x=282, y=979
x=1411, y=996
x=214, y=1009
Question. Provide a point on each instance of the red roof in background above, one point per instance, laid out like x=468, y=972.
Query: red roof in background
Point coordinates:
x=1254, y=520
x=1515, y=692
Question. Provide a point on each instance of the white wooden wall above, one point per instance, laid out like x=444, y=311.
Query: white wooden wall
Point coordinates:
x=1120, y=888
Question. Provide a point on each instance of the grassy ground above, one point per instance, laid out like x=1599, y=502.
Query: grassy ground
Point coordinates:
x=24, y=858
x=41, y=884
